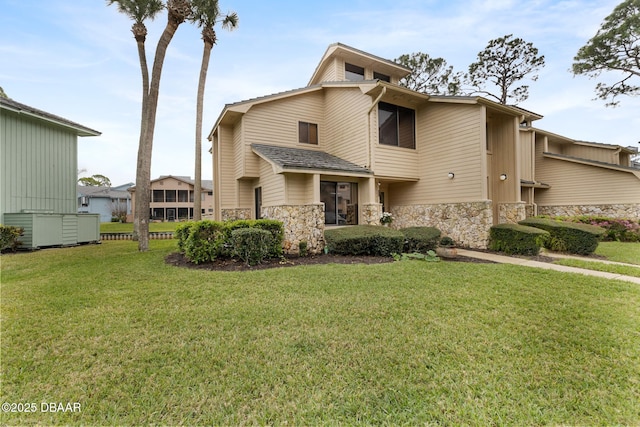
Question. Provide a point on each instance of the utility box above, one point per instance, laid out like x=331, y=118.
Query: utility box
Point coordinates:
x=42, y=229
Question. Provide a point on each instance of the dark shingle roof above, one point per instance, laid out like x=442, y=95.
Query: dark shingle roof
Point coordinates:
x=298, y=158
x=81, y=130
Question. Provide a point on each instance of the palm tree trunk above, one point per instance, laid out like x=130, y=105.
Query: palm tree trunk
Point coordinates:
x=197, y=191
x=143, y=178
x=144, y=68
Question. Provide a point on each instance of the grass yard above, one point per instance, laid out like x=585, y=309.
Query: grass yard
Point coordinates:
x=620, y=252
x=614, y=251
x=135, y=341
x=117, y=227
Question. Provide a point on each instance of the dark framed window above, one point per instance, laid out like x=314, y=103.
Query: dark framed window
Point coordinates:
x=308, y=133
x=258, y=201
x=170, y=196
x=380, y=76
x=158, y=196
x=353, y=72
x=396, y=125
x=340, y=202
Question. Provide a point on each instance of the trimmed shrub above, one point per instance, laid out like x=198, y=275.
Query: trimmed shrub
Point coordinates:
x=516, y=239
x=206, y=241
x=274, y=227
x=182, y=234
x=581, y=239
x=420, y=239
x=616, y=229
x=9, y=237
x=251, y=245
x=364, y=240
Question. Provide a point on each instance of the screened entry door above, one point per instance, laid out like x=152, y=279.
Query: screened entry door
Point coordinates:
x=340, y=202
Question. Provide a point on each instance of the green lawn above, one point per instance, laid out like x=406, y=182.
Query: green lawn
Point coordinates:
x=620, y=252
x=613, y=251
x=117, y=227
x=135, y=341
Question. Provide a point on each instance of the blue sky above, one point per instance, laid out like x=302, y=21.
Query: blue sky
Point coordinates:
x=78, y=59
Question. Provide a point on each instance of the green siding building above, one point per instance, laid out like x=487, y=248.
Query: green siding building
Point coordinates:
x=38, y=176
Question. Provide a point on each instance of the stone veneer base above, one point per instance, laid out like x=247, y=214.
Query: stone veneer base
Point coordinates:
x=466, y=223
x=302, y=223
x=621, y=211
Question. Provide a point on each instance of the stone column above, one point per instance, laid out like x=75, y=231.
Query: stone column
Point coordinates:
x=301, y=223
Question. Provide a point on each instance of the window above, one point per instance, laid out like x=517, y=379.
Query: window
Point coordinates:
x=340, y=202
x=183, y=196
x=353, y=72
x=258, y=202
x=380, y=76
x=308, y=133
x=158, y=196
x=396, y=125
x=170, y=196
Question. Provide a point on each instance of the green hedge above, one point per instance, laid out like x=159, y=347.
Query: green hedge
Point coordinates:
x=9, y=237
x=616, y=229
x=364, y=240
x=516, y=239
x=575, y=238
x=420, y=239
x=204, y=241
x=251, y=245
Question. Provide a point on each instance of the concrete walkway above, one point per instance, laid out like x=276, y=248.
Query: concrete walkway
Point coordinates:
x=503, y=259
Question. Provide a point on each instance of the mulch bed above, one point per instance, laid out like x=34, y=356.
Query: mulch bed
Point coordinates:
x=179, y=260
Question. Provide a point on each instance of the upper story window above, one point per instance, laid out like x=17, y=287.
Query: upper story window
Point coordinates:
x=396, y=125
x=308, y=133
x=353, y=72
x=380, y=76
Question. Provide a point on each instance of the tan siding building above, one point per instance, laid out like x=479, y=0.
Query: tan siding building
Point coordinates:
x=353, y=144
x=172, y=199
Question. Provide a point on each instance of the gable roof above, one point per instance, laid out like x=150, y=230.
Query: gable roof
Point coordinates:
x=206, y=184
x=17, y=107
x=287, y=159
x=102, y=192
x=360, y=58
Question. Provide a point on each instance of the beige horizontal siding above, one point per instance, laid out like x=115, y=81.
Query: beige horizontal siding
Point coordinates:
x=450, y=139
x=592, y=153
x=346, y=123
x=299, y=190
x=527, y=155
x=276, y=122
x=395, y=161
x=273, y=185
x=226, y=176
x=574, y=184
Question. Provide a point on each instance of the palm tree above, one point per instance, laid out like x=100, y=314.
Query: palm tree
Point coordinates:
x=139, y=11
x=178, y=12
x=205, y=14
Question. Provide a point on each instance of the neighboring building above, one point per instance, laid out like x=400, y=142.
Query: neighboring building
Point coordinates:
x=172, y=198
x=353, y=144
x=39, y=166
x=108, y=202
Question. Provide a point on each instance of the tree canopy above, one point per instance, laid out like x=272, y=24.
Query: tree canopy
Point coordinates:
x=95, y=181
x=429, y=75
x=615, y=47
x=504, y=62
